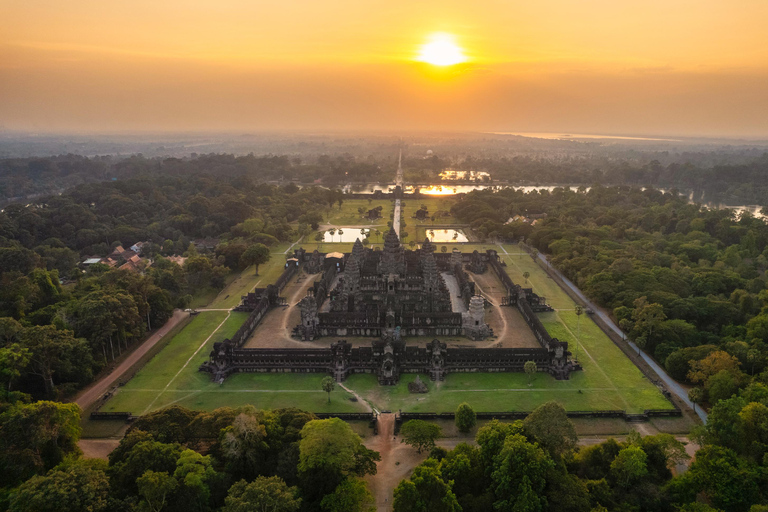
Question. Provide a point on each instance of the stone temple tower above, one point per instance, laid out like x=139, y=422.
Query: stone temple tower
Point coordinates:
x=350, y=294
x=473, y=321
x=392, y=256
x=431, y=275
x=309, y=319
x=456, y=258
x=358, y=251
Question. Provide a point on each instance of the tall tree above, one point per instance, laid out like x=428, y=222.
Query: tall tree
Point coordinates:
x=156, y=488
x=550, y=426
x=465, y=418
x=530, y=369
x=52, y=350
x=77, y=486
x=36, y=437
x=244, y=446
x=328, y=384
x=352, y=495
x=426, y=491
x=256, y=254
x=519, y=476
x=629, y=466
x=265, y=494
x=420, y=434
x=330, y=452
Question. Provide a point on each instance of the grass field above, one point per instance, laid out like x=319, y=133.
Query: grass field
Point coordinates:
x=609, y=380
x=247, y=280
x=172, y=377
x=433, y=205
x=348, y=215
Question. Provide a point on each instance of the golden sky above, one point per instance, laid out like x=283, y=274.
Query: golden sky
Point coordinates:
x=674, y=67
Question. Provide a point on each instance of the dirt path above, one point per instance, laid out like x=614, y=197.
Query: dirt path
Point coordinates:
x=397, y=462
x=97, y=448
x=274, y=330
x=360, y=399
x=502, y=334
x=509, y=327
x=96, y=390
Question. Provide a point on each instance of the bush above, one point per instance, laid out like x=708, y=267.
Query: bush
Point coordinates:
x=466, y=419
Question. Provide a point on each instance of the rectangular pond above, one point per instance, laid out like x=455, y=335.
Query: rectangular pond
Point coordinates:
x=440, y=236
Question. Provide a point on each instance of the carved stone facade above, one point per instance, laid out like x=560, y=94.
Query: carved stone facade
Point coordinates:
x=387, y=359
x=315, y=263
x=410, y=302
x=473, y=321
x=477, y=264
x=381, y=290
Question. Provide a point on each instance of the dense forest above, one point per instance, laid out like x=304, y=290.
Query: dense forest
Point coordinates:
x=60, y=324
x=22, y=177
x=687, y=284
x=730, y=178
x=180, y=460
x=237, y=460
x=534, y=465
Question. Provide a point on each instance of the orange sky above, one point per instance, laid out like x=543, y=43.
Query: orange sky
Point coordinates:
x=672, y=67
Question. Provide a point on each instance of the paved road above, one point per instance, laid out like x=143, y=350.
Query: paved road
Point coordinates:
x=671, y=384
x=396, y=217
x=398, y=181
x=92, y=393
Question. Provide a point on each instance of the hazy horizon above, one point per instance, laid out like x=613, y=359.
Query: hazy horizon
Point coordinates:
x=688, y=69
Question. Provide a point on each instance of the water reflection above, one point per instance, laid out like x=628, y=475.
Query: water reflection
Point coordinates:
x=446, y=235
x=452, y=174
x=447, y=190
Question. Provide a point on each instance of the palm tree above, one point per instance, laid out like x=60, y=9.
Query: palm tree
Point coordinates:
x=319, y=237
x=341, y=232
x=530, y=368
x=332, y=232
x=579, y=311
x=696, y=395
x=378, y=234
x=526, y=275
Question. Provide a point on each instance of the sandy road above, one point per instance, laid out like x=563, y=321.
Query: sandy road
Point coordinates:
x=96, y=390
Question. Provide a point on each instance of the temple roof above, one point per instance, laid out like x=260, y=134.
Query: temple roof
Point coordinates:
x=392, y=240
x=358, y=251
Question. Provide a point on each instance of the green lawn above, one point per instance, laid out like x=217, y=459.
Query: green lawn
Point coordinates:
x=609, y=380
x=247, y=280
x=433, y=205
x=518, y=261
x=172, y=377
x=348, y=215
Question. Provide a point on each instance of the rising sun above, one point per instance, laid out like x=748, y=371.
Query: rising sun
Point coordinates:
x=441, y=50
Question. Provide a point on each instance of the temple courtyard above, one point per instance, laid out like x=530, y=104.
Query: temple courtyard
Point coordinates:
x=608, y=381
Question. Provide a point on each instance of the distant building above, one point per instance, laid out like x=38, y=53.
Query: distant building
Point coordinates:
x=206, y=244
x=121, y=258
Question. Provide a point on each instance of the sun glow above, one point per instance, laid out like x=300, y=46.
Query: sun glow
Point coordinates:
x=441, y=50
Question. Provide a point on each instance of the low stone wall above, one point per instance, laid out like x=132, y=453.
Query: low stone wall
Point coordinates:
x=401, y=417
x=617, y=340
x=245, y=330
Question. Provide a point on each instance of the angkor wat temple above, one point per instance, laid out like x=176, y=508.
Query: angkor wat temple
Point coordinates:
x=389, y=295
x=381, y=290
